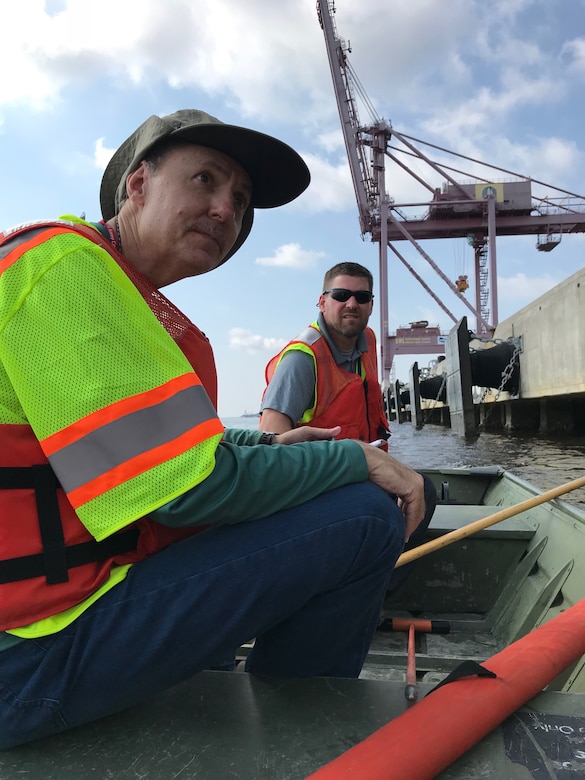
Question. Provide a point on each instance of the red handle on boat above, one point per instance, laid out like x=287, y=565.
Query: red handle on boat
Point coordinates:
x=410, y=691
x=422, y=626
x=476, y=705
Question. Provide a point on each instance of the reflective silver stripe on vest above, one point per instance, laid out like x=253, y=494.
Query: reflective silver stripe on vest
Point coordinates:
x=18, y=234
x=131, y=435
x=9, y=242
x=309, y=336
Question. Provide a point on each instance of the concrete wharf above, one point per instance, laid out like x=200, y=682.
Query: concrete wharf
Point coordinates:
x=549, y=339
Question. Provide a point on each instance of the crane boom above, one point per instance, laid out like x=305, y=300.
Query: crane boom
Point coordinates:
x=478, y=211
x=355, y=137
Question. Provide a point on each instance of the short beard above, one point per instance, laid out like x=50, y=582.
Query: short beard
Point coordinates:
x=351, y=331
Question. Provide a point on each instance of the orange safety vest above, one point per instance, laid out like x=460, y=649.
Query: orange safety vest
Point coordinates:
x=351, y=400
x=49, y=561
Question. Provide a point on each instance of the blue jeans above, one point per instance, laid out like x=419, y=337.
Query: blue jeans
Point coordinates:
x=307, y=583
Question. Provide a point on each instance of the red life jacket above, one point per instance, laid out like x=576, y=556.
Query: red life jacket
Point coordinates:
x=50, y=562
x=342, y=397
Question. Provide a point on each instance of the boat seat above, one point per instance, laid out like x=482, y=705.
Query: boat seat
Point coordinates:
x=451, y=517
x=465, y=576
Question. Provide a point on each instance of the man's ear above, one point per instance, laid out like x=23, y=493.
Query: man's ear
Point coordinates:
x=135, y=183
x=321, y=303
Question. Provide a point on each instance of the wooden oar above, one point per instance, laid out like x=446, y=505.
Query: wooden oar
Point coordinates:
x=485, y=522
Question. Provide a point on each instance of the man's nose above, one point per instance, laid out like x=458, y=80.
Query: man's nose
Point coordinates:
x=222, y=206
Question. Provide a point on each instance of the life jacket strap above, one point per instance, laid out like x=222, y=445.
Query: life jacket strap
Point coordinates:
x=56, y=558
x=29, y=566
x=52, y=538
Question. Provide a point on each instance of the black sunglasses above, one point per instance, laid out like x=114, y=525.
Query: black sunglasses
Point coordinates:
x=343, y=295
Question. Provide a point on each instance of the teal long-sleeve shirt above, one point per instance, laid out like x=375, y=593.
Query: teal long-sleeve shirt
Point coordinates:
x=252, y=481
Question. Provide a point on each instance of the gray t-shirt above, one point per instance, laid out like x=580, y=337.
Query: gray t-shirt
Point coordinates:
x=291, y=390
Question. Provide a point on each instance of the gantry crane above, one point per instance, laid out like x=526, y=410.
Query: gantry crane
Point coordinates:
x=479, y=210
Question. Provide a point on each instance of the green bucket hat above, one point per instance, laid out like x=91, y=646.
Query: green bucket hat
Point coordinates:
x=278, y=174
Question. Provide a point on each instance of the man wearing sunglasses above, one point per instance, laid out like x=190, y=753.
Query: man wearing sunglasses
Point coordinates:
x=330, y=371
x=328, y=376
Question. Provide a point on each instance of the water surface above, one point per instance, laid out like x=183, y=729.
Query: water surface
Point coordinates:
x=544, y=462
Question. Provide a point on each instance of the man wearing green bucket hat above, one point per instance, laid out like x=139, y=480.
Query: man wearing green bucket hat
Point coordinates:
x=151, y=542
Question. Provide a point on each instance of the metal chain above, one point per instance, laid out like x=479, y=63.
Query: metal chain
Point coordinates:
x=442, y=386
x=484, y=394
x=507, y=372
x=506, y=376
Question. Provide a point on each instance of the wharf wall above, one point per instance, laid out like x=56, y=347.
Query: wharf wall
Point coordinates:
x=552, y=328
x=550, y=332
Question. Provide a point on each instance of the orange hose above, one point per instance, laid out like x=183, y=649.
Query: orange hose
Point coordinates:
x=475, y=706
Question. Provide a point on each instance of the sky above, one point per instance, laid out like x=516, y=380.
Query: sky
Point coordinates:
x=502, y=82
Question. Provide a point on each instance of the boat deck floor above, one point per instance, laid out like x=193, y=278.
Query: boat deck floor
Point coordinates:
x=222, y=725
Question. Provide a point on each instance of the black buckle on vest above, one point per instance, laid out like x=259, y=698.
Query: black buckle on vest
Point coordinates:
x=56, y=558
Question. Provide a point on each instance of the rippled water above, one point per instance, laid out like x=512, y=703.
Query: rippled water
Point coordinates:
x=544, y=462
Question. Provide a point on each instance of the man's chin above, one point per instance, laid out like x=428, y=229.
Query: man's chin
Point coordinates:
x=202, y=268
x=205, y=260
x=350, y=333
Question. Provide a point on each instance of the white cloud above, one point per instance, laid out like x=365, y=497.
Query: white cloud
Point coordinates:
x=253, y=344
x=102, y=154
x=520, y=288
x=479, y=119
x=269, y=59
x=331, y=188
x=292, y=256
x=331, y=140
x=264, y=57
x=24, y=81
x=547, y=159
x=575, y=50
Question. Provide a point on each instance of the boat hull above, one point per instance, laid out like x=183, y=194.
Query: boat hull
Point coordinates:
x=492, y=590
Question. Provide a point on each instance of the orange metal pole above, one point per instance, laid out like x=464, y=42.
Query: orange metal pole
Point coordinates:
x=410, y=691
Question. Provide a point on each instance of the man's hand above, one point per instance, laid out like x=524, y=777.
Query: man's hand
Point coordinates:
x=394, y=477
x=306, y=433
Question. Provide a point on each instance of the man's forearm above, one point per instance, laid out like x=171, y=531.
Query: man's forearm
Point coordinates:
x=276, y=422
x=284, y=477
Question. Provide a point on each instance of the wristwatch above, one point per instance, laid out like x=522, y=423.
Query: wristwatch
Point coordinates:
x=266, y=438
